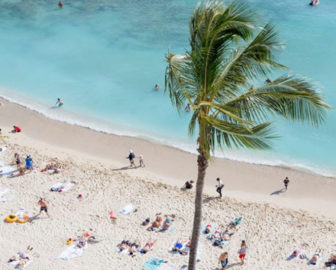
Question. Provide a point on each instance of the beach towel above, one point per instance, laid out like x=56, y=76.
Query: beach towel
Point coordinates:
x=73, y=251
x=167, y=266
x=62, y=186
x=152, y=264
x=129, y=208
x=236, y=221
x=5, y=169
x=21, y=213
x=18, y=266
x=4, y=191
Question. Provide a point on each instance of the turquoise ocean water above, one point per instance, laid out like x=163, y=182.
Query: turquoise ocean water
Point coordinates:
x=103, y=58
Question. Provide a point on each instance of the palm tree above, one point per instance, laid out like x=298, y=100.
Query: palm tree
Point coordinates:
x=229, y=53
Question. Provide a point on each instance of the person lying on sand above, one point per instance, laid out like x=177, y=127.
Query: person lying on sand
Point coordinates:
x=315, y=257
x=215, y=236
x=148, y=246
x=85, y=238
x=125, y=244
x=332, y=261
x=208, y=228
x=21, y=255
x=146, y=222
x=134, y=248
x=177, y=246
x=52, y=167
x=185, y=250
x=156, y=224
x=167, y=223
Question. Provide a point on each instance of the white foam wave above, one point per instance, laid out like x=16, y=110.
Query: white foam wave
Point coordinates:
x=185, y=145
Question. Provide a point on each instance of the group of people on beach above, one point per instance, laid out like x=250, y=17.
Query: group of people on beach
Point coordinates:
x=131, y=157
x=224, y=257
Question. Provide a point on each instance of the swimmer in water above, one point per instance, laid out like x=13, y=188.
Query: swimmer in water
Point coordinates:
x=314, y=2
x=60, y=4
x=187, y=108
x=59, y=103
x=157, y=87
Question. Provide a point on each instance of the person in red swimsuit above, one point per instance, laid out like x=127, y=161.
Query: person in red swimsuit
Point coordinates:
x=16, y=129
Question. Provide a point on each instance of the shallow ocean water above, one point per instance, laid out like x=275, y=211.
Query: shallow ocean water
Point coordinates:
x=104, y=57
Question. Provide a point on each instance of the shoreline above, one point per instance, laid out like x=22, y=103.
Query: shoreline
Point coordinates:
x=118, y=130
x=243, y=181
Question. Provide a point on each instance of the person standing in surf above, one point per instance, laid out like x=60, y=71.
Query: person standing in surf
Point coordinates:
x=59, y=102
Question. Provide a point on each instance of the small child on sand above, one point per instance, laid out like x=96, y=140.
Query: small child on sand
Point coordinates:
x=141, y=161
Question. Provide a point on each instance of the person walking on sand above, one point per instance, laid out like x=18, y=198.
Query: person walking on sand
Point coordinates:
x=219, y=186
x=43, y=207
x=286, y=182
x=17, y=160
x=131, y=157
x=141, y=161
x=224, y=260
x=242, y=251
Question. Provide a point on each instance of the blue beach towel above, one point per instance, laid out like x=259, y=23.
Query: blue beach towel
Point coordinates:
x=152, y=264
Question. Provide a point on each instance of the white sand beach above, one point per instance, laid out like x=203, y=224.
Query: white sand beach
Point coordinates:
x=272, y=225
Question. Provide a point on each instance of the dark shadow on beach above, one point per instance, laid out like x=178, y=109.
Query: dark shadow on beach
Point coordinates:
x=124, y=168
x=233, y=265
x=33, y=218
x=209, y=199
x=277, y=192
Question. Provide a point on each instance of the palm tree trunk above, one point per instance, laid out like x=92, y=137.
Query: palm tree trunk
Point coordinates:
x=202, y=163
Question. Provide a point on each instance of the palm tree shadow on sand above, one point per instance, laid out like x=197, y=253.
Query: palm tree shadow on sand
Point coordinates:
x=278, y=192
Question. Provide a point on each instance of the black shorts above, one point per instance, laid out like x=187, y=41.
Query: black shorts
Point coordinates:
x=44, y=208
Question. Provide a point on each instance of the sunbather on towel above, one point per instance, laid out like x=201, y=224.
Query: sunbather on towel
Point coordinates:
x=185, y=250
x=225, y=236
x=167, y=223
x=148, y=246
x=177, y=246
x=21, y=255
x=134, y=248
x=215, y=236
x=52, y=166
x=332, y=261
x=208, y=229
x=125, y=244
x=156, y=224
x=315, y=257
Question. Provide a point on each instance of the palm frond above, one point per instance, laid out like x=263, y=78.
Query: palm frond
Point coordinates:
x=288, y=96
x=247, y=63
